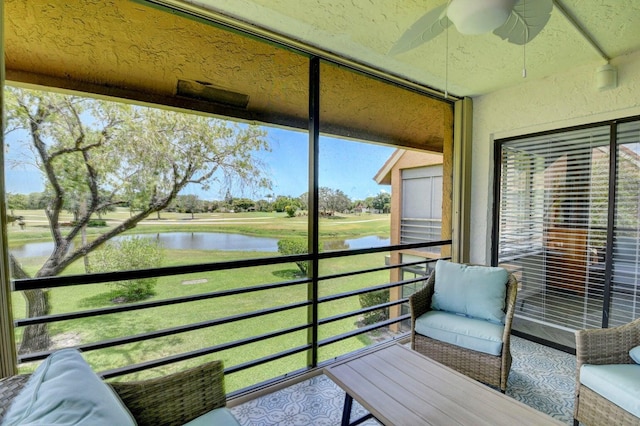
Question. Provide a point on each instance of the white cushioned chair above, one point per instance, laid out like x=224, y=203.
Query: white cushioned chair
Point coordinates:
x=462, y=318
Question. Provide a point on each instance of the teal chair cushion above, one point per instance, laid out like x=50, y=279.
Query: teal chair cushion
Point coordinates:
x=635, y=354
x=619, y=383
x=474, y=291
x=64, y=390
x=219, y=417
x=471, y=333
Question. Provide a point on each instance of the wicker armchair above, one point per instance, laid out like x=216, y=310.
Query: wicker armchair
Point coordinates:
x=603, y=346
x=489, y=369
x=174, y=399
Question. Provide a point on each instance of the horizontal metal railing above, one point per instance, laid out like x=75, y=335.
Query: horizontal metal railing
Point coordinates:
x=53, y=282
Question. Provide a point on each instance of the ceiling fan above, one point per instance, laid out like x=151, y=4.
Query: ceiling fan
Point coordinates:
x=517, y=21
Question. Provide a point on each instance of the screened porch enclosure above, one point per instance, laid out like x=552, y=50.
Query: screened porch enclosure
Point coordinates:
x=257, y=310
x=567, y=225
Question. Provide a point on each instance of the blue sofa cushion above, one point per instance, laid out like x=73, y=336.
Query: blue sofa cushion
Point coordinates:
x=471, y=333
x=475, y=291
x=634, y=353
x=219, y=417
x=619, y=383
x=64, y=390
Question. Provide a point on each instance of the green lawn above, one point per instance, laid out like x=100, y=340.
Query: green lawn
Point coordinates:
x=77, y=298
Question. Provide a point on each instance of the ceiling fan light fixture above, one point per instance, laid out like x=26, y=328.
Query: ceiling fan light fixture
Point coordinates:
x=473, y=17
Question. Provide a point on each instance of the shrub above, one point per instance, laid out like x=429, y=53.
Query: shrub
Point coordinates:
x=372, y=299
x=130, y=254
x=290, y=246
x=290, y=211
x=96, y=223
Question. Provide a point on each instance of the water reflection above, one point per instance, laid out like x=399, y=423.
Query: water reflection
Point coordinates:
x=211, y=241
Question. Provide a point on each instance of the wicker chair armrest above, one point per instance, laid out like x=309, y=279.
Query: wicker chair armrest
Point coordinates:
x=420, y=301
x=10, y=387
x=176, y=398
x=607, y=345
x=510, y=308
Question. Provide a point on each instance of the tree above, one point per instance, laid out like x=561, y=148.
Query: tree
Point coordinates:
x=113, y=154
x=189, y=204
x=107, y=207
x=128, y=254
x=212, y=206
x=303, y=199
x=332, y=200
x=37, y=201
x=263, y=206
x=243, y=204
x=282, y=201
x=382, y=202
x=228, y=199
x=17, y=201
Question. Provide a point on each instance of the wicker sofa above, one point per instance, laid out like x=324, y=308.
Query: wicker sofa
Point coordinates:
x=174, y=399
x=487, y=368
x=606, y=347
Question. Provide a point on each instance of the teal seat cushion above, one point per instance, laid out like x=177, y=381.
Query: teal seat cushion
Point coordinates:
x=471, y=333
x=619, y=383
x=219, y=417
x=474, y=291
x=65, y=391
x=634, y=353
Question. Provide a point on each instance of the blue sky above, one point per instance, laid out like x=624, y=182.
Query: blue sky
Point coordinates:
x=345, y=165
x=348, y=166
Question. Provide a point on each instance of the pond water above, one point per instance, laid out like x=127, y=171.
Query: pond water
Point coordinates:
x=211, y=241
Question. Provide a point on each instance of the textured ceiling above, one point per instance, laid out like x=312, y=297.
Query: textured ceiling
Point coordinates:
x=131, y=50
x=142, y=51
x=364, y=31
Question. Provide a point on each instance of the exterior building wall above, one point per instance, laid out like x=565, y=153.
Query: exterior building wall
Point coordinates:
x=563, y=100
x=410, y=159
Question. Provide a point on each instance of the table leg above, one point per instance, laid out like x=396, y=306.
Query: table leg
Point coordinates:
x=346, y=411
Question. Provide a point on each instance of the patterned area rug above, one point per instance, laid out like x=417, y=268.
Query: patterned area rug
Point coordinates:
x=543, y=378
x=540, y=377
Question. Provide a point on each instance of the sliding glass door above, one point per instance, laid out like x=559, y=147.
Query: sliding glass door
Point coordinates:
x=566, y=223
x=622, y=259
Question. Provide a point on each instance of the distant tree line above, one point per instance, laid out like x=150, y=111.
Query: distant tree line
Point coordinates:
x=330, y=201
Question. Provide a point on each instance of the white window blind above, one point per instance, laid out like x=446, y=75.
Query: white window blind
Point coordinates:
x=421, y=206
x=625, y=253
x=553, y=224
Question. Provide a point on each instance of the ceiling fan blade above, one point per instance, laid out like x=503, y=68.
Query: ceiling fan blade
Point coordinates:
x=424, y=29
x=527, y=19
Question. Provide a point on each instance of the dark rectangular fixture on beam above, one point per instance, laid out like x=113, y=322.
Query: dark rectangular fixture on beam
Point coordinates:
x=206, y=92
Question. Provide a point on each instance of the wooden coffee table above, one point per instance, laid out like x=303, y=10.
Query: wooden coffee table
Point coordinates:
x=399, y=386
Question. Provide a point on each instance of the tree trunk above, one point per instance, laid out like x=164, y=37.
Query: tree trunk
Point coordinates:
x=36, y=337
x=87, y=266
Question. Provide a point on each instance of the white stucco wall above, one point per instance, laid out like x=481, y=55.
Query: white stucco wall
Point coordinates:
x=560, y=101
